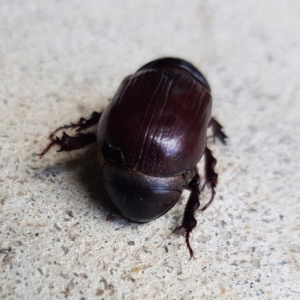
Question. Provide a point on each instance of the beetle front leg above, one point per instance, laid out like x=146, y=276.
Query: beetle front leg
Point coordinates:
x=81, y=124
x=70, y=143
x=189, y=221
x=211, y=176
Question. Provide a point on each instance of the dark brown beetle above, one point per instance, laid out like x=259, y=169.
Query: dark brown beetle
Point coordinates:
x=150, y=139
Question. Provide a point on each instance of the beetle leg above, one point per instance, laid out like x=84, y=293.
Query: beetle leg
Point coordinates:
x=81, y=124
x=217, y=131
x=189, y=221
x=211, y=176
x=70, y=143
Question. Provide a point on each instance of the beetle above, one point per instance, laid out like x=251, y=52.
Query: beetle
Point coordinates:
x=150, y=138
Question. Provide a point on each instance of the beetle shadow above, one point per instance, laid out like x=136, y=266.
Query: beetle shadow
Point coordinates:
x=86, y=171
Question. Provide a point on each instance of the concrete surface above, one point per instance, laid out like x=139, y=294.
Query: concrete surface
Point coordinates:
x=59, y=236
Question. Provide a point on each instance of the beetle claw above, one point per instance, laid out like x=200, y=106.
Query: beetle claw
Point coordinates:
x=217, y=131
x=179, y=230
x=186, y=233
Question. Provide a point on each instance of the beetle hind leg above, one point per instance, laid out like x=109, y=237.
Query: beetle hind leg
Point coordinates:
x=211, y=176
x=189, y=222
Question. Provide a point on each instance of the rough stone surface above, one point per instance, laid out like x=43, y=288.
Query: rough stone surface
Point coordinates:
x=59, y=237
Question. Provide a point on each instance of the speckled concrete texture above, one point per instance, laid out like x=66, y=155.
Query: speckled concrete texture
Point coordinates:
x=59, y=236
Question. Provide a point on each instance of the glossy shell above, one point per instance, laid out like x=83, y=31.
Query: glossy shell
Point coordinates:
x=152, y=135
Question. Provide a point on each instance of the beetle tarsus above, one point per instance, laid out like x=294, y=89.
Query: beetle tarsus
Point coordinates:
x=189, y=222
x=69, y=143
x=217, y=131
x=80, y=125
x=186, y=233
x=211, y=176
